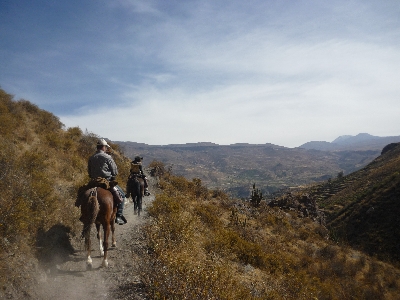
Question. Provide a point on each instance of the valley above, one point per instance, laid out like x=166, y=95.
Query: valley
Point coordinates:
x=234, y=168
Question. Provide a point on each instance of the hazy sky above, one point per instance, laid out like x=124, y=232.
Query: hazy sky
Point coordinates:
x=168, y=71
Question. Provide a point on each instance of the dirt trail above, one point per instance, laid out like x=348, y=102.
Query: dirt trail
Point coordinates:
x=71, y=280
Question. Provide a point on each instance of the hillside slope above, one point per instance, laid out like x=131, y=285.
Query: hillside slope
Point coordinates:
x=202, y=245
x=363, y=208
x=42, y=164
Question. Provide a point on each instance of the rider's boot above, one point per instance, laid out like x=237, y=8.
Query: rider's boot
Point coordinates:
x=120, y=219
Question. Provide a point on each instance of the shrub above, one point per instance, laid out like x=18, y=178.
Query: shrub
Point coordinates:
x=227, y=249
x=209, y=215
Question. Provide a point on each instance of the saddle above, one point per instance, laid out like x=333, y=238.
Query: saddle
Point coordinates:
x=99, y=182
x=93, y=183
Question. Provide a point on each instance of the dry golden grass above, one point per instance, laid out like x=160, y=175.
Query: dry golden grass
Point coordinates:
x=42, y=166
x=203, y=246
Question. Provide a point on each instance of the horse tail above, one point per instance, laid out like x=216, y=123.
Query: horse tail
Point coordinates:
x=137, y=186
x=132, y=185
x=93, y=209
x=141, y=187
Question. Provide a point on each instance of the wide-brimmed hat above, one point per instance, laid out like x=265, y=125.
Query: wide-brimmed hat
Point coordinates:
x=102, y=142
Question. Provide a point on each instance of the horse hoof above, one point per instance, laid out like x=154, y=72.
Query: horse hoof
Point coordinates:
x=114, y=245
x=89, y=266
x=105, y=263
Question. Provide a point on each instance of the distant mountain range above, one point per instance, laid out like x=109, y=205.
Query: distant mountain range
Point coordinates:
x=234, y=168
x=361, y=141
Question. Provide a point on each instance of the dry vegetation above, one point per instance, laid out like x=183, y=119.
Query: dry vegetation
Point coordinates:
x=41, y=167
x=363, y=207
x=202, y=245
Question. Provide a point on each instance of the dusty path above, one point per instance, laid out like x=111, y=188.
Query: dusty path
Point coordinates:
x=71, y=280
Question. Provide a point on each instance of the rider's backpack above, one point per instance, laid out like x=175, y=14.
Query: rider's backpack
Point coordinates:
x=135, y=168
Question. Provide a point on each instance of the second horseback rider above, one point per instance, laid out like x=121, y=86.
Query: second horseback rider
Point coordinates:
x=137, y=170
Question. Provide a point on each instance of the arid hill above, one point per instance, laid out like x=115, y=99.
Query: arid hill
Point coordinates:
x=363, y=207
x=203, y=245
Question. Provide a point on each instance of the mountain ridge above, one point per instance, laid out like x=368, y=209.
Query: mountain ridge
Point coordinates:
x=234, y=168
x=361, y=141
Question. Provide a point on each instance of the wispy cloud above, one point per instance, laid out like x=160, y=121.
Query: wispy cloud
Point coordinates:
x=257, y=71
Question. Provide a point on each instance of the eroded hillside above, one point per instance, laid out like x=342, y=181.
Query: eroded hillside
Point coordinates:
x=363, y=207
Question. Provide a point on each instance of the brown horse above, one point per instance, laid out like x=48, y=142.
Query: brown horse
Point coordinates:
x=98, y=207
x=135, y=188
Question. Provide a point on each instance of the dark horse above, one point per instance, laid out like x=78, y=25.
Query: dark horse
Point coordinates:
x=135, y=188
x=97, y=206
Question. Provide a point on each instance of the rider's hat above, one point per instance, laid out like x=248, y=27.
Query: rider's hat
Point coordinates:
x=138, y=158
x=102, y=142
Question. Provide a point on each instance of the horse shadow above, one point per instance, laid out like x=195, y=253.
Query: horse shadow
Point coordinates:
x=53, y=248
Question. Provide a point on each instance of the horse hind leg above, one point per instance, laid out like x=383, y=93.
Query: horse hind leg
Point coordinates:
x=135, y=205
x=139, y=206
x=114, y=243
x=104, y=264
x=100, y=241
x=89, y=262
x=106, y=228
x=140, y=195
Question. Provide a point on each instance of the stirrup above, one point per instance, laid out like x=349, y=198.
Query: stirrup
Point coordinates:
x=119, y=221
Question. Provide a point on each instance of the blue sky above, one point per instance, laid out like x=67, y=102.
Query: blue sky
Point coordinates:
x=170, y=72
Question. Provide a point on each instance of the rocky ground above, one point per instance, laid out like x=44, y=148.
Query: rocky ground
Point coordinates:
x=70, y=279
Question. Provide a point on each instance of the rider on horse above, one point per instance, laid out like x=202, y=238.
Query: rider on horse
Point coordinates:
x=102, y=165
x=137, y=170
